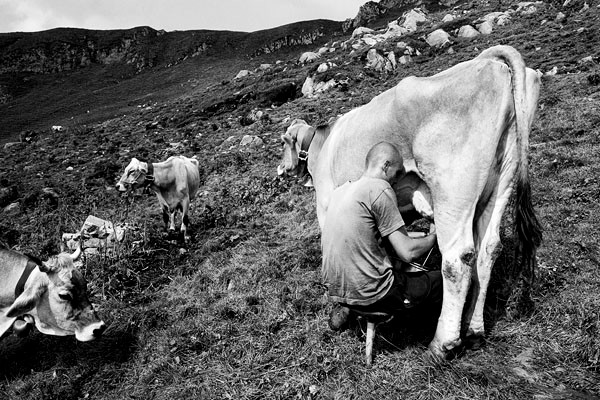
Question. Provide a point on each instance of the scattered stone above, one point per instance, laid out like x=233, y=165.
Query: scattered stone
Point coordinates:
x=405, y=59
x=251, y=141
x=99, y=236
x=325, y=66
x=485, y=28
x=69, y=168
x=375, y=60
x=308, y=56
x=448, y=18
x=264, y=67
x=552, y=72
x=14, y=145
x=358, y=32
x=12, y=209
x=413, y=18
x=242, y=74
x=392, y=64
x=467, y=31
x=369, y=40
x=560, y=17
x=438, y=38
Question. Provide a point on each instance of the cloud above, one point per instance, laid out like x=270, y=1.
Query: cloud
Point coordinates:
x=240, y=15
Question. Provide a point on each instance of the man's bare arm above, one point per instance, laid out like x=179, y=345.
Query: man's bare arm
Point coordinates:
x=408, y=249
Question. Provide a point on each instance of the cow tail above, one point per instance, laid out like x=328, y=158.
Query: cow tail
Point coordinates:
x=528, y=229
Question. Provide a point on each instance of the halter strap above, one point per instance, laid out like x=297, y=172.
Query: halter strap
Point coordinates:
x=303, y=153
x=20, y=288
x=150, y=174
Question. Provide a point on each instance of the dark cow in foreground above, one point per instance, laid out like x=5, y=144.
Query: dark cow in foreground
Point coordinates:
x=175, y=182
x=50, y=294
x=465, y=133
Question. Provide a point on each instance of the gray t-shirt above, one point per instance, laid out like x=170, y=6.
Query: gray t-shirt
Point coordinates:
x=356, y=268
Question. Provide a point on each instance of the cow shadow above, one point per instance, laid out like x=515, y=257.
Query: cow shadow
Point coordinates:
x=38, y=352
x=416, y=327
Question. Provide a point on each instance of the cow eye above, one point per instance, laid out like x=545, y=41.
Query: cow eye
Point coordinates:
x=65, y=296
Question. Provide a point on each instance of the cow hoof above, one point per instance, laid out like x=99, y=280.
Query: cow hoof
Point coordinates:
x=474, y=342
x=445, y=351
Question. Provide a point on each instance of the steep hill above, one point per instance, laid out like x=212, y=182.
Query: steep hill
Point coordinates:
x=240, y=312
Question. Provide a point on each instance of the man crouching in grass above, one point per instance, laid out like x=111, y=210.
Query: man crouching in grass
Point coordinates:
x=363, y=220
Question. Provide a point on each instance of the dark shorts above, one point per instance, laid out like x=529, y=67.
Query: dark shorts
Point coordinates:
x=410, y=290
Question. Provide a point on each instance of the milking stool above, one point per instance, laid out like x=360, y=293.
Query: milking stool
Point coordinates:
x=373, y=319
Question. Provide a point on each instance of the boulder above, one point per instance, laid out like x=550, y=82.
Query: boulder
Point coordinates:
x=438, y=38
x=251, y=141
x=405, y=59
x=527, y=7
x=485, y=28
x=242, y=74
x=325, y=66
x=375, y=60
x=369, y=40
x=99, y=236
x=12, y=209
x=392, y=64
x=467, y=31
x=308, y=56
x=358, y=32
x=448, y=18
x=413, y=18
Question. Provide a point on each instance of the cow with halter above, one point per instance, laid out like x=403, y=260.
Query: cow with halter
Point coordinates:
x=465, y=133
x=51, y=294
x=175, y=182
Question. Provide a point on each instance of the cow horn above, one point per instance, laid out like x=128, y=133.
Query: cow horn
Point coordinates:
x=77, y=253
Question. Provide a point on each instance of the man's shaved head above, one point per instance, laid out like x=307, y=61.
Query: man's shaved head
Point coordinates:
x=381, y=153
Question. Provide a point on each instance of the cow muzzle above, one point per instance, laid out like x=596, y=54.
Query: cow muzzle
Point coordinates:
x=90, y=332
x=121, y=187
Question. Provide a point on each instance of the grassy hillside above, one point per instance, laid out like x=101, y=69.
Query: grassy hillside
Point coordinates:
x=240, y=313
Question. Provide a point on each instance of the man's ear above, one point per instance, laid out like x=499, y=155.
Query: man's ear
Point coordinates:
x=26, y=301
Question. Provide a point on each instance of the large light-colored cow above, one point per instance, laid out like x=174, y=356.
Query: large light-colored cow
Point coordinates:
x=53, y=294
x=465, y=132
x=175, y=182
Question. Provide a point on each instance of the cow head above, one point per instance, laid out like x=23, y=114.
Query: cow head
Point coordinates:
x=56, y=297
x=134, y=175
x=291, y=141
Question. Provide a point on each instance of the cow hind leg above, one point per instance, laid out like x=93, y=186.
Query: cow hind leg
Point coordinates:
x=185, y=220
x=487, y=235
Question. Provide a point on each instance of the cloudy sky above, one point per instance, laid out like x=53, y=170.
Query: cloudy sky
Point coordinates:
x=238, y=15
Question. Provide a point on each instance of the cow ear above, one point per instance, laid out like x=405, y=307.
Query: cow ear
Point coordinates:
x=25, y=302
x=46, y=267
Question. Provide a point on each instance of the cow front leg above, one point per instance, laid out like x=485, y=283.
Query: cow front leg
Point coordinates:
x=165, y=216
x=171, y=220
x=456, y=271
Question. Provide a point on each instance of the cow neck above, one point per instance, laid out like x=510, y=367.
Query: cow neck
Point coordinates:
x=20, y=288
x=303, y=153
